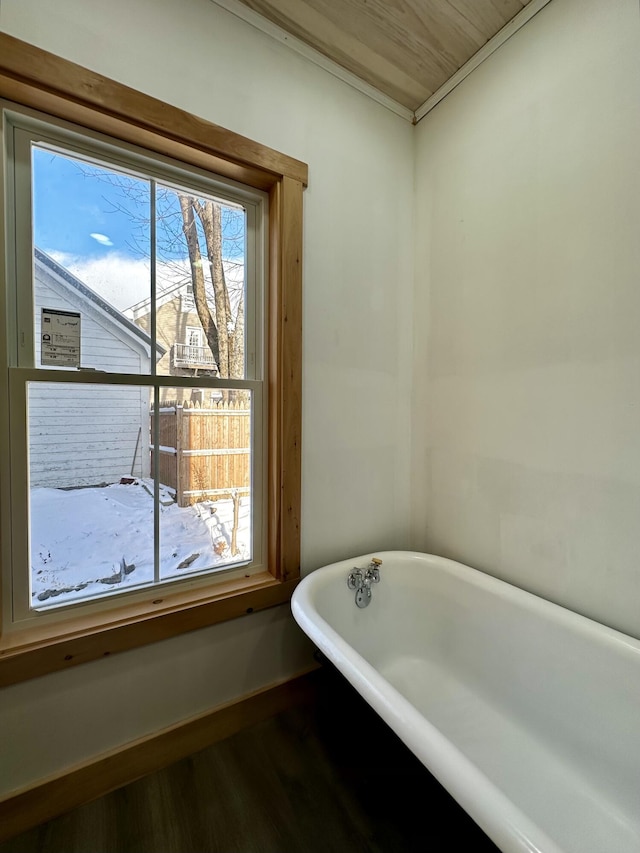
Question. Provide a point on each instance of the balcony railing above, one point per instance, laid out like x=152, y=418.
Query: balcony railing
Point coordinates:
x=186, y=355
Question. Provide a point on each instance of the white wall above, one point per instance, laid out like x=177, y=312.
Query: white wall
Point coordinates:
x=356, y=355
x=524, y=437
x=526, y=428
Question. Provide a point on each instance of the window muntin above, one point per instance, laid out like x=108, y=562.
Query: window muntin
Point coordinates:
x=190, y=383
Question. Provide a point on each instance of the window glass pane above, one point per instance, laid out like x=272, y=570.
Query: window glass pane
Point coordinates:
x=91, y=491
x=93, y=239
x=91, y=235
x=94, y=502
x=205, y=461
x=200, y=302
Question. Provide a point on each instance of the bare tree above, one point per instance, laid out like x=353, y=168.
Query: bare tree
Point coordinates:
x=218, y=347
x=197, y=224
x=225, y=335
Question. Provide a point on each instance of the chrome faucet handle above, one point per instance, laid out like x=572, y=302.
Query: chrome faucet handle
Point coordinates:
x=355, y=579
x=361, y=580
x=373, y=571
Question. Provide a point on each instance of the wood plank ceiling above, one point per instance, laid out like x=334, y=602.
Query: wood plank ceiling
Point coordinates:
x=405, y=48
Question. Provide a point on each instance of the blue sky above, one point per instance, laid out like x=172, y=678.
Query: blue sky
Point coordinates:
x=78, y=218
x=78, y=211
x=69, y=207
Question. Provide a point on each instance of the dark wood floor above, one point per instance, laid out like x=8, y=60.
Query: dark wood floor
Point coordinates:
x=327, y=777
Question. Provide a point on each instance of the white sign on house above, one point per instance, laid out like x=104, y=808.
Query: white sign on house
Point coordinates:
x=60, y=338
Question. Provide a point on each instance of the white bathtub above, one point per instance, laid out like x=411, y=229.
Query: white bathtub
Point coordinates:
x=527, y=713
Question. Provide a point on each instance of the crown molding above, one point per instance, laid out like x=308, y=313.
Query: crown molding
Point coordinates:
x=503, y=35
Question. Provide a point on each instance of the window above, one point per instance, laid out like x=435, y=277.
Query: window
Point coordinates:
x=187, y=298
x=194, y=337
x=150, y=443
x=126, y=488
x=195, y=353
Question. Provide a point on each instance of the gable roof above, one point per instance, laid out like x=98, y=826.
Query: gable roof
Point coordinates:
x=62, y=273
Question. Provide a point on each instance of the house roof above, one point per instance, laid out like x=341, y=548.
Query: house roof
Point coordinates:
x=234, y=275
x=63, y=273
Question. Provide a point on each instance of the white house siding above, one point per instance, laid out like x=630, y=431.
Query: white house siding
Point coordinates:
x=81, y=435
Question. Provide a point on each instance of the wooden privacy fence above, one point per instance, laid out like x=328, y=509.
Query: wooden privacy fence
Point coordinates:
x=203, y=453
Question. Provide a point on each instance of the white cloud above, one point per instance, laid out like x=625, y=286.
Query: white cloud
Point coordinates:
x=102, y=239
x=119, y=279
x=124, y=281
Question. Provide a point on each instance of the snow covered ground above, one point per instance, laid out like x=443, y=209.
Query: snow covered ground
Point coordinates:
x=88, y=542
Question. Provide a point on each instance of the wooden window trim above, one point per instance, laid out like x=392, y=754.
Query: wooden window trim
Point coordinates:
x=39, y=80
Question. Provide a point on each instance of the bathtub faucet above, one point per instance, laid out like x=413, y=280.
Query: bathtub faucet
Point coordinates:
x=361, y=580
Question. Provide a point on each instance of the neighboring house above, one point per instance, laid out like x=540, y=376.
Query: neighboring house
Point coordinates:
x=178, y=328
x=84, y=434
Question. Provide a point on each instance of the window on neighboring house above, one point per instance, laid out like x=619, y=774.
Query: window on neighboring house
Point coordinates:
x=194, y=342
x=194, y=337
x=123, y=502
x=188, y=303
x=196, y=353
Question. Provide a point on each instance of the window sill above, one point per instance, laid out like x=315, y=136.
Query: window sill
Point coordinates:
x=38, y=651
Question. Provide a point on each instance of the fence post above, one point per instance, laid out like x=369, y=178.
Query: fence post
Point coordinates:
x=180, y=472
